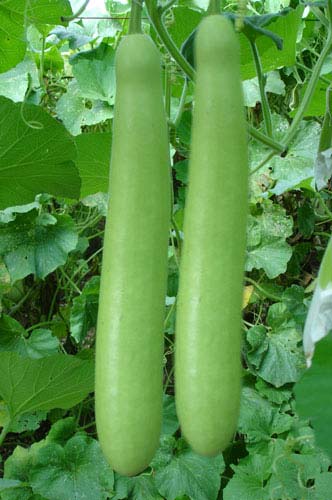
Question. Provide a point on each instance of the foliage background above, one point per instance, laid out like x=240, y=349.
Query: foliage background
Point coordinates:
x=57, y=89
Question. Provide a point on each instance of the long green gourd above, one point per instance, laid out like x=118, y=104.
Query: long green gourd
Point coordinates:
x=208, y=329
x=129, y=350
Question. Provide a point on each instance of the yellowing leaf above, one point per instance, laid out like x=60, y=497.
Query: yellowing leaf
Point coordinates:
x=247, y=293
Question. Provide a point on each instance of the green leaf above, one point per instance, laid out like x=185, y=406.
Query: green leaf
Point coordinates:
x=306, y=219
x=184, y=128
x=43, y=12
x=28, y=421
x=313, y=394
x=76, y=35
x=12, y=41
x=32, y=244
x=39, y=159
x=76, y=470
x=259, y=420
x=275, y=354
x=266, y=240
x=94, y=71
x=8, y=483
x=14, y=83
x=285, y=28
x=14, y=338
x=60, y=466
x=296, y=170
x=83, y=314
x=15, y=15
x=57, y=381
x=17, y=468
x=186, y=473
x=249, y=480
x=141, y=487
x=251, y=91
x=93, y=161
x=184, y=22
x=75, y=111
x=277, y=396
x=170, y=422
x=323, y=485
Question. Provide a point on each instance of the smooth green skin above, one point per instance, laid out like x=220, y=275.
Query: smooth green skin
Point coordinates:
x=208, y=329
x=129, y=350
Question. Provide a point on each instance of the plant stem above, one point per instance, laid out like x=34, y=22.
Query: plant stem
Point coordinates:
x=312, y=81
x=80, y=11
x=261, y=289
x=268, y=141
x=135, y=21
x=181, y=106
x=4, y=432
x=38, y=325
x=261, y=82
x=155, y=13
x=17, y=306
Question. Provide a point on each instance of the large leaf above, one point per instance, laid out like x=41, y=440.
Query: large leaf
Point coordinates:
x=36, y=244
x=313, y=394
x=57, y=381
x=76, y=470
x=186, y=473
x=93, y=161
x=36, y=155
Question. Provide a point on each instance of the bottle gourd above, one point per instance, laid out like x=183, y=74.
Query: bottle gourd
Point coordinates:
x=208, y=328
x=129, y=351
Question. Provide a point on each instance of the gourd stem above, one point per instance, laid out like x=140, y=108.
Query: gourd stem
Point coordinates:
x=261, y=82
x=214, y=7
x=135, y=22
x=67, y=19
x=155, y=14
